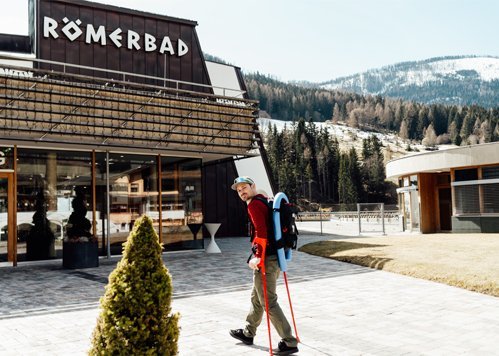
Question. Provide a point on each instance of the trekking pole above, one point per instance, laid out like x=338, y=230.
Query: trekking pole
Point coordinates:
x=262, y=243
x=264, y=278
x=290, y=305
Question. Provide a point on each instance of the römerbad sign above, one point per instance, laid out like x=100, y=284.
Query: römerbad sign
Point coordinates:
x=74, y=29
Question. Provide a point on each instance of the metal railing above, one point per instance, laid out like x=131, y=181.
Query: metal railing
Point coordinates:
x=123, y=76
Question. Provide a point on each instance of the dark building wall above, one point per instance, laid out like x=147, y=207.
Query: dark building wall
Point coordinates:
x=189, y=67
x=220, y=203
x=475, y=224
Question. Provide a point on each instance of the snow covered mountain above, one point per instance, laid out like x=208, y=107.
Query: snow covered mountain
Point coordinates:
x=463, y=80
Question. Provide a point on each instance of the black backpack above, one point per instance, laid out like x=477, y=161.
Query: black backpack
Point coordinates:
x=289, y=232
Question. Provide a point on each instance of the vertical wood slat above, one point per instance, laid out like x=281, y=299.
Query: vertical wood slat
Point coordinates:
x=14, y=210
x=94, y=198
x=160, y=200
x=453, y=190
x=480, y=191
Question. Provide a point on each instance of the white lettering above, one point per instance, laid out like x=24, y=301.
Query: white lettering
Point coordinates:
x=2, y=158
x=133, y=40
x=15, y=73
x=182, y=48
x=149, y=42
x=116, y=37
x=96, y=36
x=93, y=34
x=72, y=29
x=49, y=26
x=166, y=46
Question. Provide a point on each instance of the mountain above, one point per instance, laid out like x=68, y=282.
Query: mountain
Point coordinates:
x=462, y=80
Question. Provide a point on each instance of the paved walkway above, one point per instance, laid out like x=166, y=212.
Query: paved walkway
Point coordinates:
x=341, y=309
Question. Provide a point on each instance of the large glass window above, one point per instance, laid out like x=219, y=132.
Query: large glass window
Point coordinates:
x=133, y=183
x=182, y=203
x=474, y=196
x=46, y=183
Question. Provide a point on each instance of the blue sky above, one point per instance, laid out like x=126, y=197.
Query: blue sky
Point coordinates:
x=318, y=40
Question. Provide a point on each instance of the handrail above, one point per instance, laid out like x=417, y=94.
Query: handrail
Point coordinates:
x=124, y=74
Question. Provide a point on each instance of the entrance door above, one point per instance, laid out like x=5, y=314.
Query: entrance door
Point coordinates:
x=7, y=222
x=445, y=207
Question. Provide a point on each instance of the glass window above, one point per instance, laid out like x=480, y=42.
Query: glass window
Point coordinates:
x=182, y=214
x=490, y=198
x=466, y=174
x=133, y=192
x=490, y=172
x=4, y=221
x=46, y=183
x=6, y=156
x=467, y=199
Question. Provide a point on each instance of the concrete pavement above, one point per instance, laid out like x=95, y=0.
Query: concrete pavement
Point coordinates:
x=340, y=309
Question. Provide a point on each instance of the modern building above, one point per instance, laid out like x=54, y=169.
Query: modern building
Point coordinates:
x=119, y=104
x=449, y=190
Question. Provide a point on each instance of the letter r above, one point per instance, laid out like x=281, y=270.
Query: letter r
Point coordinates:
x=49, y=26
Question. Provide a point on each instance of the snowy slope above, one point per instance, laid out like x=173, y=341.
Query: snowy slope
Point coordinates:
x=455, y=80
x=351, y=137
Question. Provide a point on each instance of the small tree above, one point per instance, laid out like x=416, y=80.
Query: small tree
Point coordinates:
x=40, y=241
x=136, y=314
x=79, y=226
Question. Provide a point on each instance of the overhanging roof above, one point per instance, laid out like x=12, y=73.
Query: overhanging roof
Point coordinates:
x=442, y=161
x=39, y=106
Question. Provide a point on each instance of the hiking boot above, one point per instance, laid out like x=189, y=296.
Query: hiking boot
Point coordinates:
x=284, y=349
x=239, y=334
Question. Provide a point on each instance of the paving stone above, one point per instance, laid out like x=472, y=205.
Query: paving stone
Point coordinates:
x=340, y=309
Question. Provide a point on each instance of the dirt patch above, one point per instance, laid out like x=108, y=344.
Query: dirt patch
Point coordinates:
x=461, y=260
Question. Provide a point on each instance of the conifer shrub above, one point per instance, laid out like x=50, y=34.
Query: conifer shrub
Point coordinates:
x=136, y=317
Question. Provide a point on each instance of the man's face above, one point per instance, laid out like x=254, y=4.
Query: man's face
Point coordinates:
x=246, y=191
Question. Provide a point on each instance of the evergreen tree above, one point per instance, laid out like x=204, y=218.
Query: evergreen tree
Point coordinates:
x=346, y=190
x=135, y=316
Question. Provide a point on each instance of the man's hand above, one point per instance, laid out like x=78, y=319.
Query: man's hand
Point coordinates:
x=254, y=262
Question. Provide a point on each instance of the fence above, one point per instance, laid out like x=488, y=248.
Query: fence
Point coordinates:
x=347, y=222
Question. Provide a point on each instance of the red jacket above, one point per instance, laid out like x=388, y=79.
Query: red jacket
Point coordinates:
x=258, y=213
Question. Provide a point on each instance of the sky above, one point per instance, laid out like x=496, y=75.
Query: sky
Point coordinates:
x=319, y=40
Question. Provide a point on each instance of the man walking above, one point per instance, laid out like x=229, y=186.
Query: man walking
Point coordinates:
x=261, y=230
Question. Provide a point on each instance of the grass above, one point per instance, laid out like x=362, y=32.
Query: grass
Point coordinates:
x=466, y=261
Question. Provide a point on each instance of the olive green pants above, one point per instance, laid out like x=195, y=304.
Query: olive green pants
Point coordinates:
x=277, y=317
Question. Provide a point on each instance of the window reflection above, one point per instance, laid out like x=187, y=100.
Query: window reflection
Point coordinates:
x=133, y=192
x=182, y=214
x=46, y=182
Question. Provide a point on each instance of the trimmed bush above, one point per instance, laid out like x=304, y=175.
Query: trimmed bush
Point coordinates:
x=135, y=316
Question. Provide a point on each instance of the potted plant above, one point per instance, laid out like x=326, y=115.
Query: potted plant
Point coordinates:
x=79, y=248
x=40, y=240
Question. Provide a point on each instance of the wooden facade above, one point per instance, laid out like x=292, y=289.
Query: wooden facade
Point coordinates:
x=428, y=201
x=100, y=98
x=187, y=68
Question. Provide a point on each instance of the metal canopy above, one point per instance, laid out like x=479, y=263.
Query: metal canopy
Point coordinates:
x=62, y=108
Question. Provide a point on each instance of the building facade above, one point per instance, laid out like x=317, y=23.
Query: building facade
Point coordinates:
x=117, y=105
x=454, y=190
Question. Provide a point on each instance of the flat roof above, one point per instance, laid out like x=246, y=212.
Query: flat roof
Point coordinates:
x=443, y=160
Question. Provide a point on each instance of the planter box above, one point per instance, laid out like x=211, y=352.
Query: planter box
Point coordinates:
x=80, y=255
